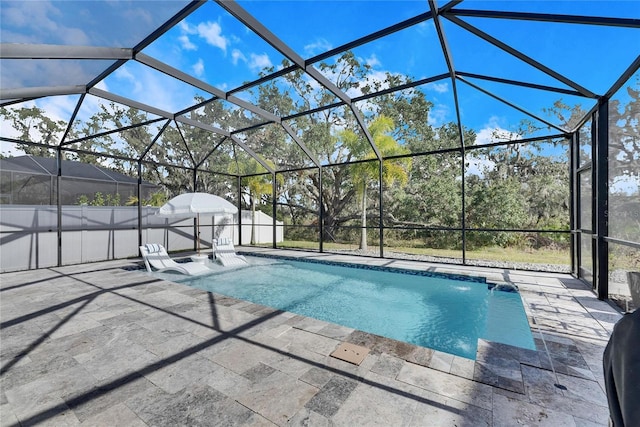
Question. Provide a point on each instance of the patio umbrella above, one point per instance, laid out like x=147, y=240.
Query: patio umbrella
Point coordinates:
x=189, y=205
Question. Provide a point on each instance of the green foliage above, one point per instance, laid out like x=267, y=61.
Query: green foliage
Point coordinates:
x=112, y=200
x=33, y=125
x=157, y=199
x=98, y=200
x=498, y=205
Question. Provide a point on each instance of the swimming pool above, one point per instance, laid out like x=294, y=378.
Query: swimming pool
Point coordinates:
x=422, y=308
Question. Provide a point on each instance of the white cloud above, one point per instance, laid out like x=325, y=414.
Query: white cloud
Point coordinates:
x=211, y=32
x=102, y=85
x=151, y=88
x=59, y=107
x=236, y=56
x=438, y=115
x=35, y=18
x=186, y=43
x=493, y=132
x=319, y=46
x=490, y=133
x=198, y=67
x=478, y=165
x=186, y=28
x=124, y=74
x=484, y=136
x=258, y=62
x=439, y=87
x=373, y=61
x=9, y=149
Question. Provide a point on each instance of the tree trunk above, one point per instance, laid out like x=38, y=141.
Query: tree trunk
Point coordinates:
x=253, y=221
x=363, y=235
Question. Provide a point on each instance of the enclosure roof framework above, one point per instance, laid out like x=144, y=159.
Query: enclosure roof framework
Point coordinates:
x=199, y=66
x=34, y=165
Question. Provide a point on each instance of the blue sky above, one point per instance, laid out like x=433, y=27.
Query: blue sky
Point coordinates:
x=213, y=46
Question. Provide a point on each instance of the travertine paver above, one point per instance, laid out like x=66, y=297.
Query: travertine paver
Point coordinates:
x=438, y=411
x=387, y=402
x=97, y=344
x=509, y=412
x=278, y=397
x=458, y=388
x=332, y=395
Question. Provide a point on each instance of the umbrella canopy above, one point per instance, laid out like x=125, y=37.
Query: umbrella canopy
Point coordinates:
x=191, y=204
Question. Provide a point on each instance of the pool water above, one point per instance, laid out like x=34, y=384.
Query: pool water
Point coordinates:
x=435, y=312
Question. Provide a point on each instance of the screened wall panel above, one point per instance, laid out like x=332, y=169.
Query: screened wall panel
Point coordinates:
x=28, y=213
x=530, y=249
x=586, y=144
x=417, y=243
x=530, y=182
x=29, y=237
x=99, y=214
x=624, y=196
x=624, y=162
x=586, y=258
x=431, y=195
x=298, y=208
x=349, y=240
x=585, y=201
x=257, y=204
x=624, y=276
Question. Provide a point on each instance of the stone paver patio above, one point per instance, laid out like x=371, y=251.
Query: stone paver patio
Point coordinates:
x=104, y=345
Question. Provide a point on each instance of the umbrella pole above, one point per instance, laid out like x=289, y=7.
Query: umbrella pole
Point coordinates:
x=198, y=232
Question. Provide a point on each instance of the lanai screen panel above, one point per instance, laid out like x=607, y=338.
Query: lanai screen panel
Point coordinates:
x=114, y=24
x=303, y=26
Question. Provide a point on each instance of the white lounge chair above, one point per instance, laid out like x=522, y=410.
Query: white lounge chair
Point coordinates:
x=156, y=256
x=225, y=252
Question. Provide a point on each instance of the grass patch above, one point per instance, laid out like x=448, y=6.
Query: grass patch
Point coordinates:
x=535, y=256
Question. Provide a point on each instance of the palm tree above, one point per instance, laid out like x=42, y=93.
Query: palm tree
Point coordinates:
x=256, y=186
x=366, y=172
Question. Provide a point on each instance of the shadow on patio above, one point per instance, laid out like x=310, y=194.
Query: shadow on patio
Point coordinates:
x=97, y=344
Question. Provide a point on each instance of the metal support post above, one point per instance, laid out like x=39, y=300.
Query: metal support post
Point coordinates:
x=574, y=164
x=58, y=204
x=139, y=167
x=381, y=228
x=239, y=211
x=601, y=183
x=274, y=192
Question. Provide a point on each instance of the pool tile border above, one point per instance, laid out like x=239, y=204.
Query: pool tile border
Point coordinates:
x=460, y=277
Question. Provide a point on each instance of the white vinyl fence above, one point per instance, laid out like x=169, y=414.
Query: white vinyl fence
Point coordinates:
x=28, y=234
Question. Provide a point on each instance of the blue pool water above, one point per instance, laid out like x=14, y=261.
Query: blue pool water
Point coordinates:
x=435, y=312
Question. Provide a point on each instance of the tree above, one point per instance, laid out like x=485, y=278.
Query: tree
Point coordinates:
x=256, y=185
x=365, y=173
x=32, y=124
x=624, y=162
x=335, y=192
